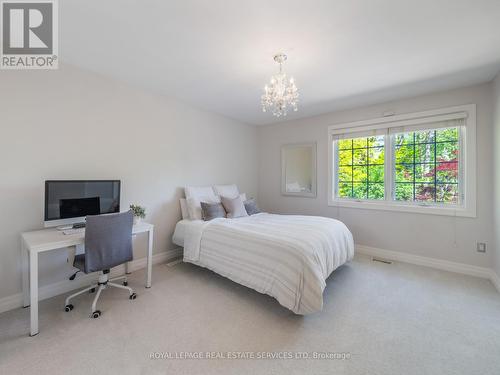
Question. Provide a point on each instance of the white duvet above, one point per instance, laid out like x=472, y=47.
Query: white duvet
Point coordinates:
x=288, y=257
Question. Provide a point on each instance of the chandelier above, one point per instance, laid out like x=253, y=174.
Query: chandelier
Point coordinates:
x=281, y=93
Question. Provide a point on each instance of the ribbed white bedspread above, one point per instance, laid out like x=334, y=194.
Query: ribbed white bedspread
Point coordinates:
x=288, y=257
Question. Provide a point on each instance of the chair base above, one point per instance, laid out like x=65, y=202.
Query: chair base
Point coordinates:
x=103, y=283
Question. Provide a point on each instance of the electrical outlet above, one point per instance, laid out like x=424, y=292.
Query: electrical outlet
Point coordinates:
x=481, y=247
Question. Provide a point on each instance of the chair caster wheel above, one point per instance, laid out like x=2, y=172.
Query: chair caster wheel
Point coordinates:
x=133, y=296
x=125, y=283
x=68, y=308
x=92, y=290
x=96, y=314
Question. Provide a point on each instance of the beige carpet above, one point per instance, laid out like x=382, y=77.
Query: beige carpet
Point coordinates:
x=386, y=319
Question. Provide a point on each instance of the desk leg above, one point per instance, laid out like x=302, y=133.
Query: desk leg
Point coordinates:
x=127, y=265
x=150, y=259
x=25, y=266
x=34, y=293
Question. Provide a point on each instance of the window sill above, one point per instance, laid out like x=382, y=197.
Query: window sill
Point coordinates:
x=420, y=209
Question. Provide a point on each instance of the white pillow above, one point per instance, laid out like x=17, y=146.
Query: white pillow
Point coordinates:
x=229, y=191
x=184, y=209
x=234, y=207
x=197, y=194
x=201, y=193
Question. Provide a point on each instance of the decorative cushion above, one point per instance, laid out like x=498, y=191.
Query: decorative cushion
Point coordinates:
x=251, y=207
x=234, y=207
x=194, y=208
x=230, y=191
x=210, y=211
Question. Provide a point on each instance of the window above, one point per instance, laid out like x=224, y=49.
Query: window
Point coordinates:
x=422, y=162
x=426, y=166
x=361, y=168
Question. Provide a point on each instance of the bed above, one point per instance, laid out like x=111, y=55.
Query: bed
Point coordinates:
x=288, y=257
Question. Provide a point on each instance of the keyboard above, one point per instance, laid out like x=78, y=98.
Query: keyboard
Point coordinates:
x=74, y=231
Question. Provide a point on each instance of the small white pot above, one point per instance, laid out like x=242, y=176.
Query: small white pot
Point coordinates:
x=137, y=220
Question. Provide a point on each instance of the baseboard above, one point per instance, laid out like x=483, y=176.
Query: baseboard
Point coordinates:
x=16, y=300
x=11, y=302
x=446, y=265
x=162, y=257
x=441, y=264
x=495, y=279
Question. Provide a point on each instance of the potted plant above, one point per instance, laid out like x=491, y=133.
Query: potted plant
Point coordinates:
x=139, y=213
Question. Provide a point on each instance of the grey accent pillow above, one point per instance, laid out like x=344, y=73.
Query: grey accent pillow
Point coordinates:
x=234, y=207
x=210, y=211
x=251, y=207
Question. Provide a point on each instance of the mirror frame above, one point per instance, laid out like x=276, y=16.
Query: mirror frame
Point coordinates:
x=284, y=148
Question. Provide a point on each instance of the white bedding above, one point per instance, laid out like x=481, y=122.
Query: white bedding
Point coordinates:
x=288, y=257
x=181, y=229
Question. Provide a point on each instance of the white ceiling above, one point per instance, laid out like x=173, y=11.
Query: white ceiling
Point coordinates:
x=217, y=54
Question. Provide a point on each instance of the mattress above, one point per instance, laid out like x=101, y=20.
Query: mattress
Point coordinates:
x=288, y=257
x=181, y=228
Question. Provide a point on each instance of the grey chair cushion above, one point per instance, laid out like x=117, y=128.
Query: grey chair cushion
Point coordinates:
x=210, y=211
x=108, y=241
x=251, y=207
x=234, y=207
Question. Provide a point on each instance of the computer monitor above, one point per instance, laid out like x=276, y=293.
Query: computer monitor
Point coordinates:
x=69, y=202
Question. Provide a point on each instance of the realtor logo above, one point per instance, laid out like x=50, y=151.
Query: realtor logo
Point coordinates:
x=29, y=34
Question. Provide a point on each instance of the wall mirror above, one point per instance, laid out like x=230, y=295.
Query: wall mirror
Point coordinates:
x=298, y=169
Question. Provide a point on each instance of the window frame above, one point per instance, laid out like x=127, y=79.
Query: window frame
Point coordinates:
x=467, y=157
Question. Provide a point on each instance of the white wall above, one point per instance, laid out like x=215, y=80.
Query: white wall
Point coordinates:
x=441, y=237
x=70, y=124
x=496, y=193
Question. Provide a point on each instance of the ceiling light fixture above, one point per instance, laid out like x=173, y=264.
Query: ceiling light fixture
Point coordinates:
x=281, y=94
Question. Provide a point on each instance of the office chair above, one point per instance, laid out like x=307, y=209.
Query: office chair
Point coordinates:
x=108, y=243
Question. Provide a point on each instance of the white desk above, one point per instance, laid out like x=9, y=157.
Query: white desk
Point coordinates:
x=36, y=242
